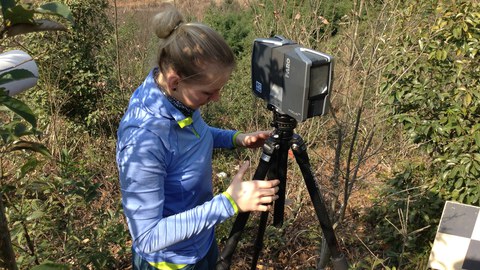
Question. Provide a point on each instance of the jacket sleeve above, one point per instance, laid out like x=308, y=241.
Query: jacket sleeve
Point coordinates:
x=142, y=170
x=223, y=138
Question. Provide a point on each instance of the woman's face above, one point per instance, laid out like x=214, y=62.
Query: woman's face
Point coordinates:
x=197, y=94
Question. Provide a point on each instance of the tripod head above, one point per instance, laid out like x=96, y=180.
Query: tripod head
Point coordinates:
x=284, y=124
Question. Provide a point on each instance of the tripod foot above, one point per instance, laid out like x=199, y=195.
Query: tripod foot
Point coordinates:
x=340, y=263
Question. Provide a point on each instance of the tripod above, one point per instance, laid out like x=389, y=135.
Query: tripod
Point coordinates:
x=274, y=163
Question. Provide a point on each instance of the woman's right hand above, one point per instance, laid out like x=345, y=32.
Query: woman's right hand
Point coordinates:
x=255, y=195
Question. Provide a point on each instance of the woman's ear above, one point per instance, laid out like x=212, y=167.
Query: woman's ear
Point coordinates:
x=172, y=80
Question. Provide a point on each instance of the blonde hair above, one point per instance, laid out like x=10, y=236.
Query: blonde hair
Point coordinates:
x=188, y=48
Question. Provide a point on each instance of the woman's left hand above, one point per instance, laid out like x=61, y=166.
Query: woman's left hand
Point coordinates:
x=252, y=140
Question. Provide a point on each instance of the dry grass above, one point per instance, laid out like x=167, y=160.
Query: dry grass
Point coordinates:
x=194, y=8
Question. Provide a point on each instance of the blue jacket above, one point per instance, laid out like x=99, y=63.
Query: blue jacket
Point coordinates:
x=165, y=168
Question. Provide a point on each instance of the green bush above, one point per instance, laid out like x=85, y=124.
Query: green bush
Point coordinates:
x=435, y=94
x=233, y=22
x=404, y=217
x=56, y=215
x=80, y=87
x=58, y=208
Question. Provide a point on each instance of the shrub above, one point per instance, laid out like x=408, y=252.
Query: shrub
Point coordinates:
x=435, y=94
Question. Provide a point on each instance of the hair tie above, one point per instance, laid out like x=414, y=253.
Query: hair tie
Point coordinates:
x=178, y=25
x=175, y=28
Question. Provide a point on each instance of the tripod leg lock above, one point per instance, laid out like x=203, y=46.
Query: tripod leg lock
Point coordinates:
x=297, y=143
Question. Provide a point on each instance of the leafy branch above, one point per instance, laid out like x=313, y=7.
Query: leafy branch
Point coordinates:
x=20, y=19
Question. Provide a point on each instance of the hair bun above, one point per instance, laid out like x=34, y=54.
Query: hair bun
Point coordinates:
x=166, y=21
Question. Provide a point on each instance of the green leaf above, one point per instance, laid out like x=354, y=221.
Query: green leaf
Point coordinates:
x=473, y=198
x=6, y=4
x=459, y=183
x=57, y=9
x=32, y=146
x=477, y=139
x=35, y=215
x=20, y=129
x=467, y=100
x=19, y=108
x=457, y=32
x=19, y=14
x=455, y=194
x=29, y=166
x=453, y=173
x=14, y=75
x=50, y=266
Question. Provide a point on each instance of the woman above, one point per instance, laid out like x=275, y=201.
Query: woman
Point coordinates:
x=164, y=152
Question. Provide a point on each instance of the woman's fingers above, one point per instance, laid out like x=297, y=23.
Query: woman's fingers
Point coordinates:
x=267, y=184
x=256, y=195
x=268, y=199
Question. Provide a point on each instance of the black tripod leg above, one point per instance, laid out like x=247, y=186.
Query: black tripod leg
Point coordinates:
x=300, y=151
x=272, y=174
x=225, y=258
x=278, y=170
x=259, y=240
x=281, y=170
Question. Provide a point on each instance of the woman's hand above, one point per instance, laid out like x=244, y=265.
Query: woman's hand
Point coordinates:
x=252, y=140
x=255, y=195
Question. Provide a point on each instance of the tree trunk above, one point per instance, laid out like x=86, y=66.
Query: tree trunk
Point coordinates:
x=7, y=256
